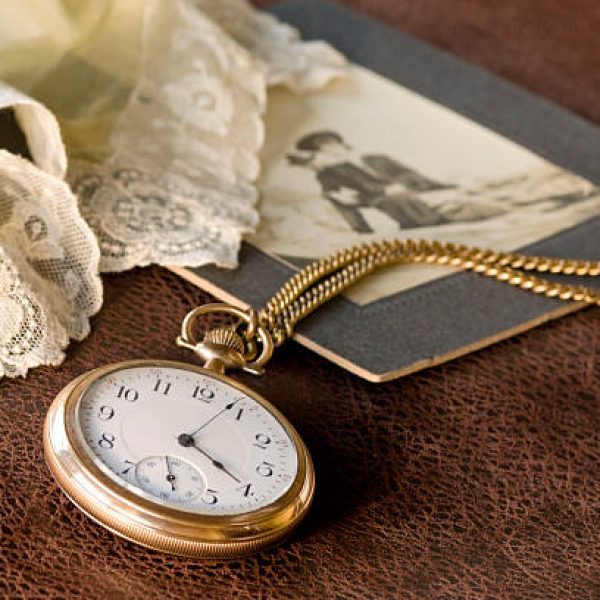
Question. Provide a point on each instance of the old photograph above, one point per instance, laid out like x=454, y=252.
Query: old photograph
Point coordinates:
x=368, y=159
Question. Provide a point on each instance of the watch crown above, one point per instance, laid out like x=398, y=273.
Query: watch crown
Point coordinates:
x=223, y=348
x=225, y=337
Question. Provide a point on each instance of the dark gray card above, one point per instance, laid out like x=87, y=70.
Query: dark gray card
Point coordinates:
x=433, y=322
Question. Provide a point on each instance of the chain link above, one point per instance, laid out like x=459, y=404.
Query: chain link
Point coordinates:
x=323, y=279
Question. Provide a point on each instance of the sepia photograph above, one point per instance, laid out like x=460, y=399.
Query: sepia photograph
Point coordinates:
x=368, y=159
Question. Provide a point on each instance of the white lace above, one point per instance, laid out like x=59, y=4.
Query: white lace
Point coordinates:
x=301, y=66
x=177, y=187
x=40, y=128
x=30, y=333
x=49, y=283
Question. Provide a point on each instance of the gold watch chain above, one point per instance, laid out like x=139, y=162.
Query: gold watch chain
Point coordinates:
x=323, y=279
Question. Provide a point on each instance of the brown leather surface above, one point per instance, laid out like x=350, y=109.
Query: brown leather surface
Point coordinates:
x=476, y=479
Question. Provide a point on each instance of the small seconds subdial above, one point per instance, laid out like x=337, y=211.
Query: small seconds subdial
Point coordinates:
x=170, y=479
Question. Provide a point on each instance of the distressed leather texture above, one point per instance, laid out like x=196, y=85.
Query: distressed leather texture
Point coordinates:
x=476, y=479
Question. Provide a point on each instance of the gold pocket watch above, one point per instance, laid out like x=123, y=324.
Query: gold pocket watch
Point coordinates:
x=178, y=457
x=185, y=459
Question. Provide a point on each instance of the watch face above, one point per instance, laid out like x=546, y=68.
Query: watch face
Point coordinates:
x=186, y=440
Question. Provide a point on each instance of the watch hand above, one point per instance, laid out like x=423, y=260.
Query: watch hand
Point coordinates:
x=170, y=476
x=187, y=441
x=228, y=407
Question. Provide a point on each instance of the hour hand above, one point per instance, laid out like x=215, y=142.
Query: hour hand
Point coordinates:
x=187, y=441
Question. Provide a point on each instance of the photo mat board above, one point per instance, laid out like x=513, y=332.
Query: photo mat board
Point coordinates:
x=414, y=143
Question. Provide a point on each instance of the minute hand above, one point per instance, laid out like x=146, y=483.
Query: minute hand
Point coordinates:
x=228, y=407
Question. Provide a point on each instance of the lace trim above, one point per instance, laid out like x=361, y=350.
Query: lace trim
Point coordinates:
x=178, y=188
x=48, y=281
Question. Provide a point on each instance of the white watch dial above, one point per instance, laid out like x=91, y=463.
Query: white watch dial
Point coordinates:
x=187, y=440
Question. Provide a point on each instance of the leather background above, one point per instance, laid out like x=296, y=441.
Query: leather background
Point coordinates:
x=476, y=479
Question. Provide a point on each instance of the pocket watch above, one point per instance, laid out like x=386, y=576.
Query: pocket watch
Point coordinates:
x=183, y=458
x=178, y=457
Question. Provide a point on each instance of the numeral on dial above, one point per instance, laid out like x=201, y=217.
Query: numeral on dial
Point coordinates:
x=130, y=394
x=162, y=387
x=203, y=393
x=107, y=441
x=262, y=440
x=265, y=469
x=210, y=497
x=106, y=413
x=128, y=467
x=245, y=489
x=240, y=412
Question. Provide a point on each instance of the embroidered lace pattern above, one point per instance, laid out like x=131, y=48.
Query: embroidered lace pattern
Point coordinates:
x=49, y=283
